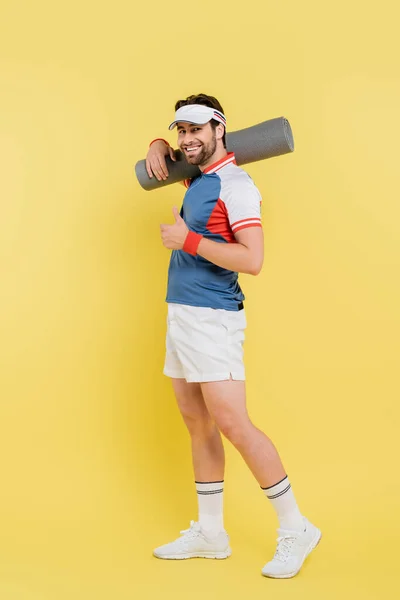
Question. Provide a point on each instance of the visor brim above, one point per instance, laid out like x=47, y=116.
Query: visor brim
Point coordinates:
x=197, y=122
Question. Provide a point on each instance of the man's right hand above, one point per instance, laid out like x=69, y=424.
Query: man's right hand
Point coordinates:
x=155, y=159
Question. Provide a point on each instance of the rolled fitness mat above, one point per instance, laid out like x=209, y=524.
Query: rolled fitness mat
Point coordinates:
x=265, y=140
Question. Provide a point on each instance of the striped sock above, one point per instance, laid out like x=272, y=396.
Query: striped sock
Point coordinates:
x=210, y=500
x=283, y=500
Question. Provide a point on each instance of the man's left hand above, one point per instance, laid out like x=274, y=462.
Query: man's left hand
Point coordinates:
x=173, y=236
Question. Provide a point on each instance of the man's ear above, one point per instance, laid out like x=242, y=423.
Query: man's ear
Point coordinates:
x=219, y=131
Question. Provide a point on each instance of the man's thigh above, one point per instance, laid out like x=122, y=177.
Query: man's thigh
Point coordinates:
x=190, y=399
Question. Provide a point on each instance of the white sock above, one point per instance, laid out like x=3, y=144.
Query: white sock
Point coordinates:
x=210, y=500
x=283, y=500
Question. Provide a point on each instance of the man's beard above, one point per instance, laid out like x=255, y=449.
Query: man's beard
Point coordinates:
x=205, y=153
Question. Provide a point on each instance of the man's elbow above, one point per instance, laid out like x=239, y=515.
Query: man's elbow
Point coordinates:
x=255, y=267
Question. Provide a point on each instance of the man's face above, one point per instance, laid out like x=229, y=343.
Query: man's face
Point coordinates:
x=197, y=142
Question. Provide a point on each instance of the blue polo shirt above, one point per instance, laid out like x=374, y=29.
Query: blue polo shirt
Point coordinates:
x=218, y=203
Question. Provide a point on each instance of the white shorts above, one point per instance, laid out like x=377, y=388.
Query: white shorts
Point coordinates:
x=204, y=344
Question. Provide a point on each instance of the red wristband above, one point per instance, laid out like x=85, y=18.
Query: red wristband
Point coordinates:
x=159, y=139
x=192, y=242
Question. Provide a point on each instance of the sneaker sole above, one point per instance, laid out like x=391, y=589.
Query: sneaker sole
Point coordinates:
x=313, y=544
x=216, y=555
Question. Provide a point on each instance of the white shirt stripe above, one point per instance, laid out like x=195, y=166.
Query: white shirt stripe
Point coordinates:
x=245, y=222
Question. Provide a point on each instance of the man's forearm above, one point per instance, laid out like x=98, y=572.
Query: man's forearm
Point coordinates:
x=234, y=257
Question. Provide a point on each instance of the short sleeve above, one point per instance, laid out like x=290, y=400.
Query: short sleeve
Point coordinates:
x=243, y=203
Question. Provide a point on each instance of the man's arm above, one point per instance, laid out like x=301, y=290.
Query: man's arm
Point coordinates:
x=246, y=256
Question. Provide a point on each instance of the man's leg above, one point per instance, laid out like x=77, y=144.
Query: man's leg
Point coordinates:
x=207, y=449
x=226, y=403
x=208, y=454
x=207, y=538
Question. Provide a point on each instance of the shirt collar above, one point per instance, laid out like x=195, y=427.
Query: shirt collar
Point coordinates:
x=226, y=160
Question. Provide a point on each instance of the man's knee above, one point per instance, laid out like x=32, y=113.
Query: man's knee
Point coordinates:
x=235, y=430
x=196, y=416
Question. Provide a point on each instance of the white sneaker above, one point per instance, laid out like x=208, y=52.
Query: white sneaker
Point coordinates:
x=292, y=550
x=194, y=544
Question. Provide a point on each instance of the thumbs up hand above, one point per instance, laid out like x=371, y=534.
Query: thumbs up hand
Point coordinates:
x=173, y=236
x=176, y=214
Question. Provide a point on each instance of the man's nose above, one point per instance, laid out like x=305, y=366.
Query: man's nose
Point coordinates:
x=188, y=138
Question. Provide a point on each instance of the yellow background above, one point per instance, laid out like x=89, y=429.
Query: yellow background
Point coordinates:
x=95, y=464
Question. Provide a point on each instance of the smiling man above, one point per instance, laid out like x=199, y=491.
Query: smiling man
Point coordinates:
x=217, y=235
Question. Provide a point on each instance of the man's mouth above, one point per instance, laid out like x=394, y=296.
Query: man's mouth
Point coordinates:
x=192, y=149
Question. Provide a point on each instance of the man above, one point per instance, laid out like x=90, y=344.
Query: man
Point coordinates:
x=217, y=235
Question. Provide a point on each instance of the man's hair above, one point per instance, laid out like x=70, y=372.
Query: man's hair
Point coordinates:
x=205, y=100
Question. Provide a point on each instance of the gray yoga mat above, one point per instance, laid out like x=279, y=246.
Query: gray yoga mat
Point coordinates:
x=265, y=140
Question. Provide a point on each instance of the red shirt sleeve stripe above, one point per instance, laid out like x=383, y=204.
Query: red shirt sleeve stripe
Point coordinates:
x=248, y=225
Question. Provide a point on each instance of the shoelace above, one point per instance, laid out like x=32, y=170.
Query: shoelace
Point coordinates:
x=284, y=548
x=192, y=532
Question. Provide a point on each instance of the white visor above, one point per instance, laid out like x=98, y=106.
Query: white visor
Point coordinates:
x=198, y=114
